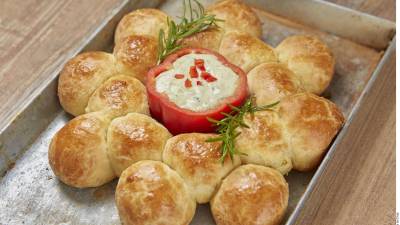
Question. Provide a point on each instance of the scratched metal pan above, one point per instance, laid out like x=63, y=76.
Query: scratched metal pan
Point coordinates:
x=31, y=194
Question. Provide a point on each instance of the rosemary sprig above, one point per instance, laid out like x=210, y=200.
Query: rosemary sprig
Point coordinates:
x=226, y=128
x=198, y=21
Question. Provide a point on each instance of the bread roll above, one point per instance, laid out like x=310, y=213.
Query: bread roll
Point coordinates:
x=147, y=22
x=310, y=59
x=311, y=123
x=265, y=141
x=81, y=76
x=210, y=39
x=270, y=82
x=118, y=96
x=236, y=16
x=135, y=137
x=78, y=154
x=251, y=195
x=149, y=193
x=197, y=161
x=135, y=55
x=245, y=51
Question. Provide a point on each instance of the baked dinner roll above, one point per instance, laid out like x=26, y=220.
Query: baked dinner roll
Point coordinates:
x=311, y=124
x=245, y=51
x=81, y=76
x=135, y=55
x=147, y=22
x=197, y=161
x=149, y=193
x=135, y=137
x=236, y=16
x=210, y=39
x=118, y=96
x=77, y=153
x=265, y=141
x=270, y=82
x=251, y=195
x=310, y=59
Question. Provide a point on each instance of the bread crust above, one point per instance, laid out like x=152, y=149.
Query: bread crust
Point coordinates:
x=198, y=162
x=210, y=39
x=147, y=22
x=245, y=50
x=310, y=59
x=136, y=55
x=149, y=192
x=270, y=82
x=236, y=15
x=135, y=137
x=118, y=96
x=311, y=123
x=77, y=153
x=264, y=142
x=251, y=195
x=81, y=76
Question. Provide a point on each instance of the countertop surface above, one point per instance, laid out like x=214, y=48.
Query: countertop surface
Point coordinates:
x=36, y=37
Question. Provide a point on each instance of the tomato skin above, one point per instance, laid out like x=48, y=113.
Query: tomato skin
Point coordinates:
x=178, y=120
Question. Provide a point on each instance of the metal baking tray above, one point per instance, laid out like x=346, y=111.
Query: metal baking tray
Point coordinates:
x=31, y=194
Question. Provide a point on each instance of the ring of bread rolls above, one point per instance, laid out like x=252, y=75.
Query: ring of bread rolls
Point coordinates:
x=161, y=176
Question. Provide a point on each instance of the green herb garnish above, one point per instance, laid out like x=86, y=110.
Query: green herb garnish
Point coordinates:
x=198, y=21
x=226, y=128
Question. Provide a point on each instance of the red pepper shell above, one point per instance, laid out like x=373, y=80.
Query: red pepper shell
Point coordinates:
x=178, y=120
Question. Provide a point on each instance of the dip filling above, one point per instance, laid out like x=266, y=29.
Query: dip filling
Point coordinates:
x=197, y=82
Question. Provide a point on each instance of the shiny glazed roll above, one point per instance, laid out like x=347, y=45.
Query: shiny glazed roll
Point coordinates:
x=135, y=55
x=81, y=76
x=310, y=59
x=135, y=137
x=146, y=22
x=149, y=193
x=311, y=124
x=265, y=141
x=300, y=128
x=270, y=82
x=251, y=195
x=210, y=39
x=245, y=50
x=197, y=161
x=78, y=152
x=236, y=16
x=118, y=96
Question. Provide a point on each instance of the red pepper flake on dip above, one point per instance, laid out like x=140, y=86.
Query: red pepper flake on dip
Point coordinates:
x=209, y=83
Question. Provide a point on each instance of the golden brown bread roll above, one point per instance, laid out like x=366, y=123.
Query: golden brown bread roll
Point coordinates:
x=210, y=39
x=149, y=193
x=300, y=128
x=245, y=50
x=270, y=82
x=197, y=161
x=265, y=141
x=236, y=16
x=251, y=195
x=135, y=137
x=310, y=59
x=118, y=96
x=147, y=22
x=135, y=55
x=311, y=123
x=81, y=76
x=77, y=153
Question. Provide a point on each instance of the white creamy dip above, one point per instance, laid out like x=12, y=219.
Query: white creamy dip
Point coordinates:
x=197, y=97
